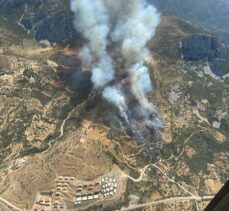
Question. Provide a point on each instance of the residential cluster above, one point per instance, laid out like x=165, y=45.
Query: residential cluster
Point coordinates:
x=109, y=186
x=87, y=191
x=104, y=188
x=81, y=193
x=43, y=201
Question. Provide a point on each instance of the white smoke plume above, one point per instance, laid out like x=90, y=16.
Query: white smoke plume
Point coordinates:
x=116, y=97
x=92, y=20
x=136, y=31
x=129, y=24
x=86, y=56
x=102, y=72
x=141, y=86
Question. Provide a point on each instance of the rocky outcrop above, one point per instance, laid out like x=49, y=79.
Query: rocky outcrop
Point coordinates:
x=200, y=47
x=49, y=20
x=197, y=47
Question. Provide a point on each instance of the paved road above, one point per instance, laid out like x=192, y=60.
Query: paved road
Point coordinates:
x=191, y=197
x=199, y=198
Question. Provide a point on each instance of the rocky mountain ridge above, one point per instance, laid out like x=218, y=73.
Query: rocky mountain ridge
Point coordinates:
x=52, y=20
x=200, y=47
x=45, y=19
x=210, y=14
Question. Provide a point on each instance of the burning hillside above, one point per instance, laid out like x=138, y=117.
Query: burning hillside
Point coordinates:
x=114, y=58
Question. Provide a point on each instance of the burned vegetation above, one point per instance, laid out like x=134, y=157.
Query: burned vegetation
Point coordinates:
x=112, y=62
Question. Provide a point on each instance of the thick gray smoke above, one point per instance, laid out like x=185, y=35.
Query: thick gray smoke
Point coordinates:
x=116, y=97
x=129, y=24
x=135, y=31
x=141, y=85
x=92, y=20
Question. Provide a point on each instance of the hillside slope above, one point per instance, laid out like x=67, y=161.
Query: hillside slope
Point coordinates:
x=210, y=14
x=47, y=131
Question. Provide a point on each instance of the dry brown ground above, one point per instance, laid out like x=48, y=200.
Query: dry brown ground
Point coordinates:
x=212, y=186
x=84, y=160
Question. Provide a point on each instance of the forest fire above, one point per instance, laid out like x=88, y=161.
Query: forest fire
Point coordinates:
x=113, y=61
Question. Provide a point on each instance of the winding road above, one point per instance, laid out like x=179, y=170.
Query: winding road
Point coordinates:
x=61, y=131
x=191, y=197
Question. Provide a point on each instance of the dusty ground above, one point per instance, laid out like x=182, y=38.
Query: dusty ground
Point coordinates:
x=77, y=155
x=212, y=186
